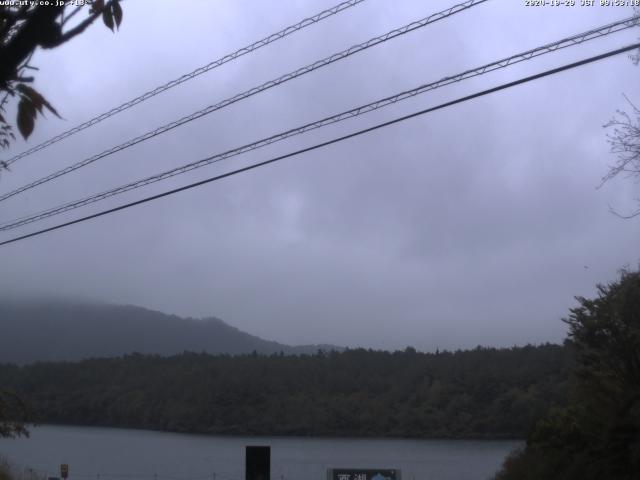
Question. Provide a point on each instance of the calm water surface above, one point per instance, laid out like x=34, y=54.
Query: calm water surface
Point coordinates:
x=120, y=454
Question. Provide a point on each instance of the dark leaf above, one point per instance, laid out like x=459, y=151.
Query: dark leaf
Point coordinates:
x=107, y=18
x=38, y=100
x=97, y=6
x=36, y=106
x=26, y=90
x=26, y=117
x=31, y=95
x=117, y=12
x=50, y=107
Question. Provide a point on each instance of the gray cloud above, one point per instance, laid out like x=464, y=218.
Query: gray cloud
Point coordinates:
x=469, y=226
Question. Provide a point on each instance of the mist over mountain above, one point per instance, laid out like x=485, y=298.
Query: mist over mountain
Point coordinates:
x=55, y=330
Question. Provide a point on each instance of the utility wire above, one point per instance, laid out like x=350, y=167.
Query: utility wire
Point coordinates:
x=354, y=112
x=198, y=71
x=255, y=90
x=332, y=141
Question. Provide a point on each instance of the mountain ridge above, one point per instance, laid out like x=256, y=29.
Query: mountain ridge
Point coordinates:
x=63, y=330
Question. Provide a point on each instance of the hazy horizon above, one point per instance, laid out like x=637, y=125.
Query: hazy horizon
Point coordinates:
x=91, y=302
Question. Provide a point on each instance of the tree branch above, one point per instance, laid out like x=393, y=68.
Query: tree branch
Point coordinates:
x=12, y=18
x=624, y=217
x=82, y=26
x=71, y=15
x=39, y=28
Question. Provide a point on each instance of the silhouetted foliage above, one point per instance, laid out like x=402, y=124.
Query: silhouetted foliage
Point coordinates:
x=25, y=26
x=13, y=415
x=5, y=471
x=597, y=435
x=480, y=393
x=624, y=141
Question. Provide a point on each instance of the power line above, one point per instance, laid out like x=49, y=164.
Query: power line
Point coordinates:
x=331, y=142
x=253, y=91
x=198, y=71
x=354, y=112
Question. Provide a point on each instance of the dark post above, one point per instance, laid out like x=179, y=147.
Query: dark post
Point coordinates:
x=258, y=463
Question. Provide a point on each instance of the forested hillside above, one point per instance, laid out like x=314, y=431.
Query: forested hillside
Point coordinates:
x=481, y=393
x=63, y=330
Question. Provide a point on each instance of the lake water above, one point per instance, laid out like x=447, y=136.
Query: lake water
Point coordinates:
x=120, y=454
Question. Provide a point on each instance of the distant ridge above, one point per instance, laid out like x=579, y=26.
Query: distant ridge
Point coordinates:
x=53, y=330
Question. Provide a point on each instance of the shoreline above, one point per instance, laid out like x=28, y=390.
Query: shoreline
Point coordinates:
x=310, y=436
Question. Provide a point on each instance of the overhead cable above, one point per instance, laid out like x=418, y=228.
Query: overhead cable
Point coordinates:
x=354, y=112
x=331, y=142
x=253, y=91
x=184, y=78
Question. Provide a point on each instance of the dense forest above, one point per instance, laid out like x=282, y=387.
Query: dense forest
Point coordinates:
x=596, y=435
x=480, y=393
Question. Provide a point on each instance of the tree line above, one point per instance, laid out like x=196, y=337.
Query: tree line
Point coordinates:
x=480, y=393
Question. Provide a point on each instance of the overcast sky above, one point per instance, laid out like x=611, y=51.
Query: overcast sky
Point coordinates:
x=477, y=224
